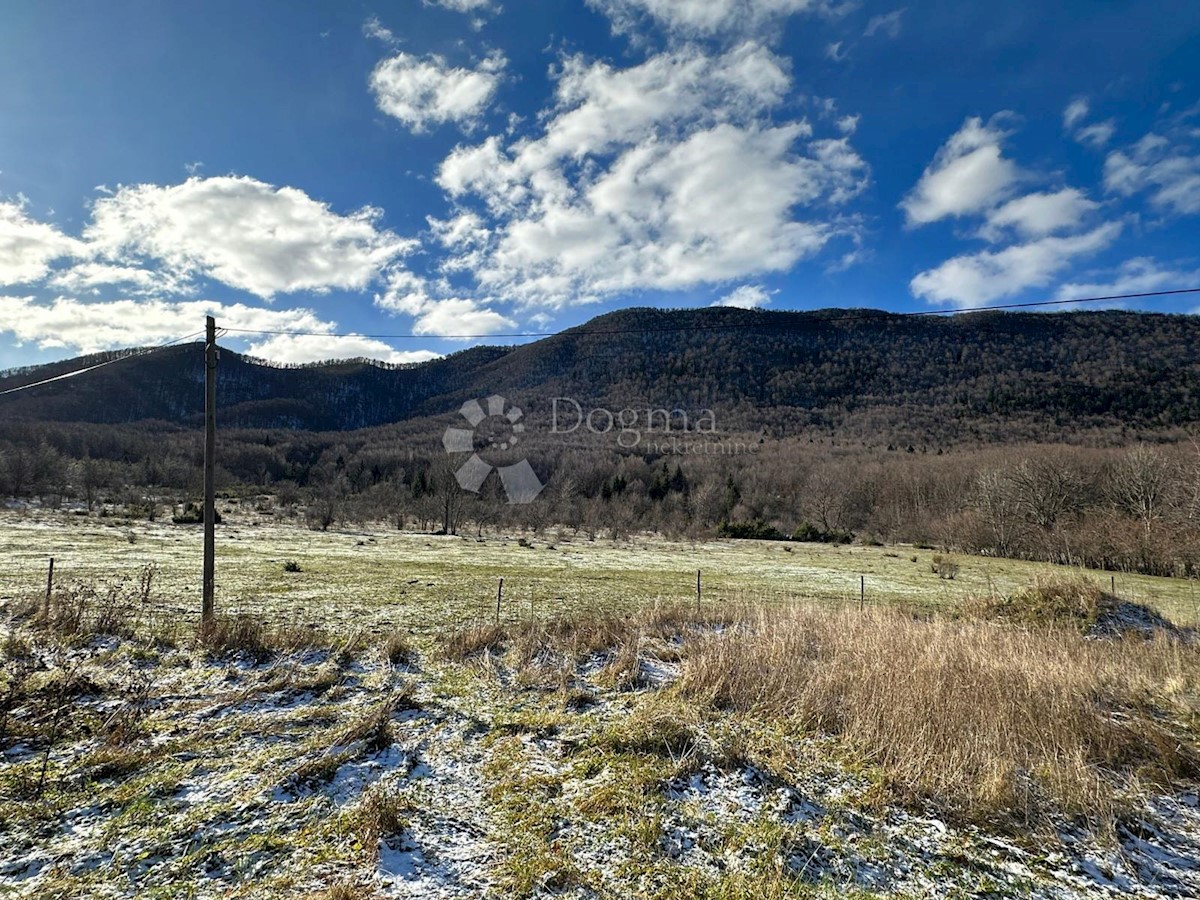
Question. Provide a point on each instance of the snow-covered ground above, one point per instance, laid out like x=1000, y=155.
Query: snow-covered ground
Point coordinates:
x=236, y=777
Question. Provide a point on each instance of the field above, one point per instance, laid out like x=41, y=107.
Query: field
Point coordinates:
x=359, y=724
x=423, y=583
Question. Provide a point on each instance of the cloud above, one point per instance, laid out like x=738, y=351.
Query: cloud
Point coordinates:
x=704, y=18
x=425, y=91
x=244, y=233
x=28, y=247
x=667, y=174
x=888, y=24
x=979, y=278
x=835, y=51
x=1097, y=134
x=747, y=296
x=373, y=28
x=1134, y=276
x=1075, y=112
x=92, y=275
x=409, y=294
x=1039, y=214
x=466, y=6
x=1167, y=168
x=968, y=174
x=90, y=327
x=293, y=348
x=457, y=317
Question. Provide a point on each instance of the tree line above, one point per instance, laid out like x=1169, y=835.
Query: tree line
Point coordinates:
x=1129, y=508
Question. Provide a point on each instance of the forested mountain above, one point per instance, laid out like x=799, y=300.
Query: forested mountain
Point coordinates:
x=1065, y=437
x=971, y=374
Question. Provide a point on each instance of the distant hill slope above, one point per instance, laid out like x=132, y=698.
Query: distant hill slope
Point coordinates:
x=778, y=370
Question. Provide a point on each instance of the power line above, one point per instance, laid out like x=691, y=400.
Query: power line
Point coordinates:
x=865, y=314
x=108, y=362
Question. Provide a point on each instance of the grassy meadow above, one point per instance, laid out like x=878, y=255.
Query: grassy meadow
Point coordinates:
x=356, y=723
x=382, y=578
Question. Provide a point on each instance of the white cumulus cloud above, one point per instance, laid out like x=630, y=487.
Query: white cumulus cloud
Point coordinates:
x=466, y=6
x=746, y=296
x=1167, y=168
x=305, y=348
x=439, y=316
x=888, y=24
x=425, y=91
x=28, y=247
x=704, y=18
x=88, y=327
x=1097, y=134
x=968, y=174
x=1140, y=275
x=667, y=174
x=1039, y=214
x=244, y=233
x=1076, y=111
x=978, y=278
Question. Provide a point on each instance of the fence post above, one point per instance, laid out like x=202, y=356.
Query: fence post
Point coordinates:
x=49, y=588
x=697, y=592
x=499, y=594
x=862, y=591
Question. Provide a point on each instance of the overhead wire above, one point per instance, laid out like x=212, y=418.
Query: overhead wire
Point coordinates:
x=723, y=326
x=108, y=362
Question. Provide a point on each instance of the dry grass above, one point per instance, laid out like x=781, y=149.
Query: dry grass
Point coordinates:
x=251, y=635
x=398, y=650
x=1052, y=599
x=348, y=890
x=976, y=717
x=381, y=813
x=369, y=732
x=579, y=636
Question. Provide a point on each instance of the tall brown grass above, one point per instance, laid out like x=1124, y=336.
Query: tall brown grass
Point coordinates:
x=976, y=717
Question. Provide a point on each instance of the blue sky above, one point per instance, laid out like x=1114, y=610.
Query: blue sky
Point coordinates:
x=471, y=167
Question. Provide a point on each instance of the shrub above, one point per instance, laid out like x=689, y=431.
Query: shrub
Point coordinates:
x=814, y=534
x=1071, y=600
x=193, y=514
x=291, y=566
x=758, y=530
x=944, y=567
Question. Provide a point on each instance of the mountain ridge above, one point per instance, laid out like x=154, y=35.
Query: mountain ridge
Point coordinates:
x=780, y=370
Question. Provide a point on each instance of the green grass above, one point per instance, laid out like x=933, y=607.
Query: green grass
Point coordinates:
x=382, y=579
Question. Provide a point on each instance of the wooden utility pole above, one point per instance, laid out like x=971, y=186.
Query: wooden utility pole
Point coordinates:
x=210, y=464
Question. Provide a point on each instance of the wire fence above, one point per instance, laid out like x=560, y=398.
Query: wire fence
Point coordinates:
x=154, y=597
x=151, y=594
